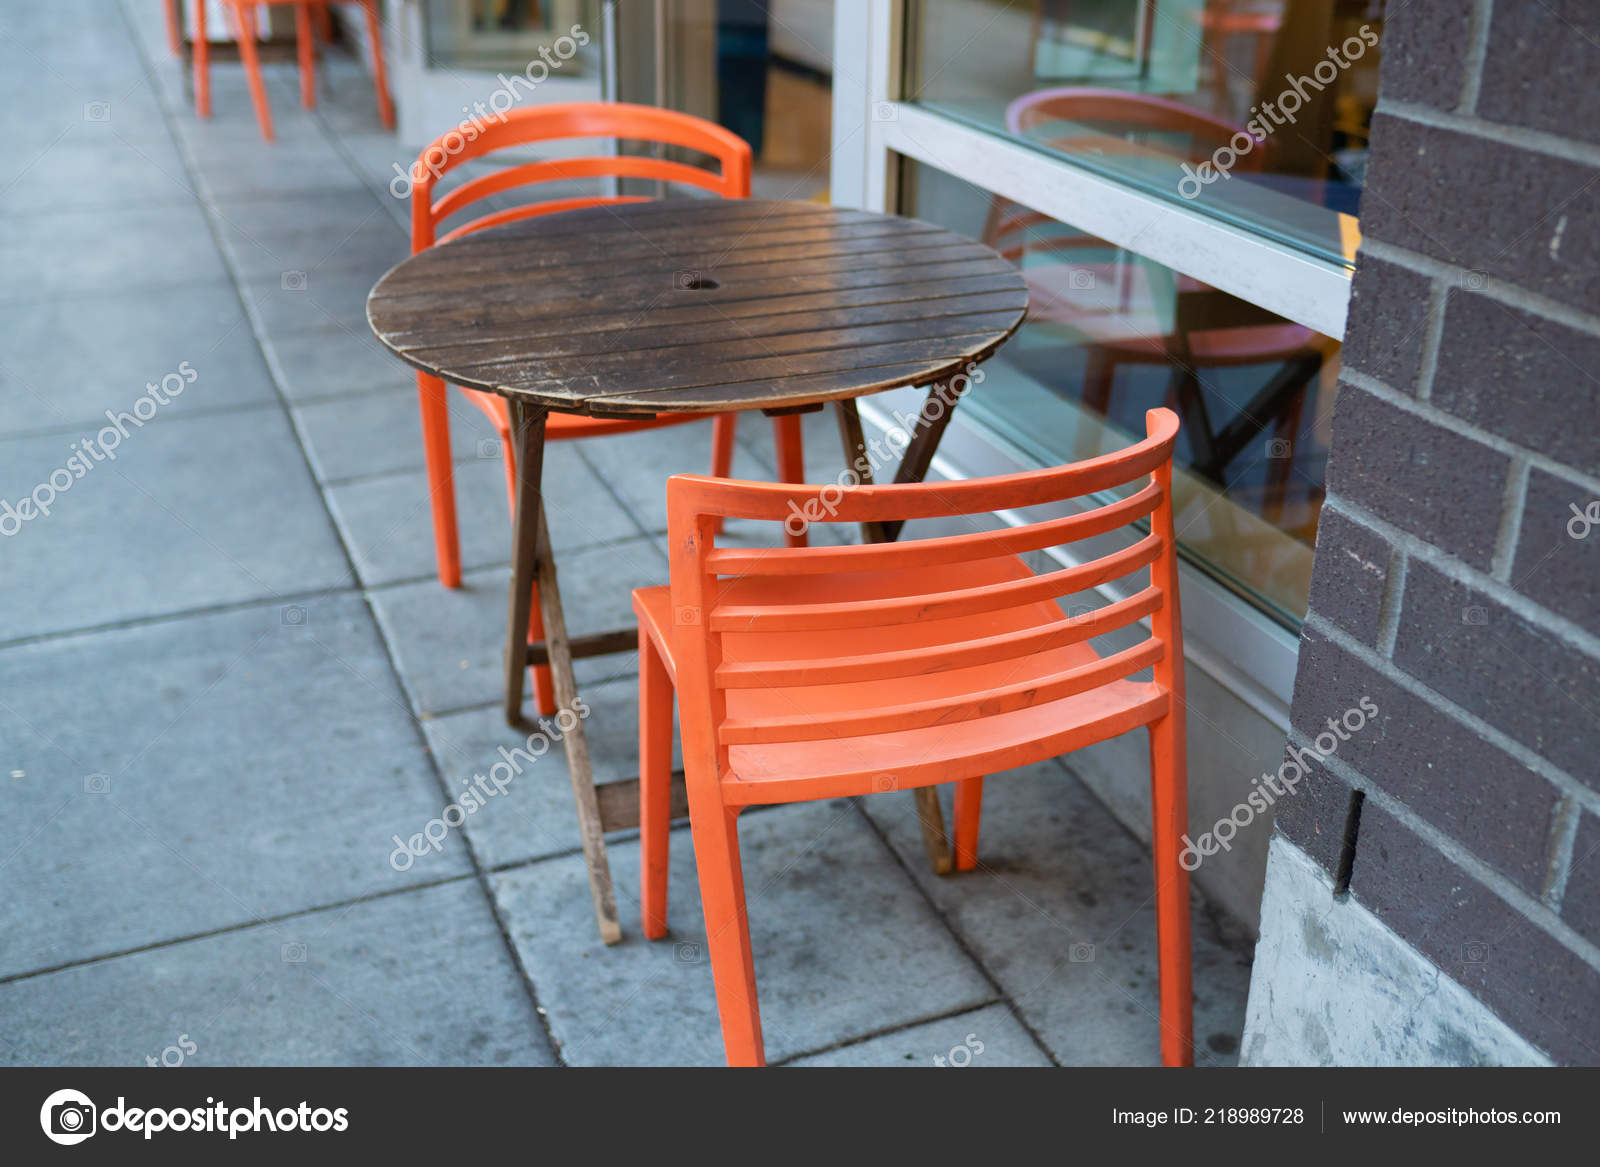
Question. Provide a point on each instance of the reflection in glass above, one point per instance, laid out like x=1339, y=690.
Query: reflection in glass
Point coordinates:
x=1111, y=334
x=1253, y=110
x=761, y=68
x=491, y=35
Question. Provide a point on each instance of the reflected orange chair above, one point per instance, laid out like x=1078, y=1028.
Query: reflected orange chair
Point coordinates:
x=1122, y=319
x=825, y=672
x=522, y=127
x=241, y=18
x=1220, y=24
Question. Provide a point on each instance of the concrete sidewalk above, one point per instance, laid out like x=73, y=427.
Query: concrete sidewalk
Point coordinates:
x=228, y=675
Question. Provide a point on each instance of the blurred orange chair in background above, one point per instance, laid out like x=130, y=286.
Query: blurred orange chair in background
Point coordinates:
x=242, y=18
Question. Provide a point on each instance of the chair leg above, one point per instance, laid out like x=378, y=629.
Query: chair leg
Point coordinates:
x=1170, y=803
x=306, y=46
x=1098, y=377
x=791, y=461
x=969, y=810
x=1281, y=476
x=202, y=64
x=655, y=785
x=441, y=477
x=544, y=689
x=246, y=39
x=723, y=427
x=174, y=35
x=380, y=77
x=325, y=24
x=716, y=855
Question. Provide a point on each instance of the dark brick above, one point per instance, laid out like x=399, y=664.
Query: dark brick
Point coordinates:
x=1313, y=817
x=1424, y=50
x=1348, y=575
x=1530, y=219
x=1387, y=320
x=1527, y=218
x=1542, y=58
x=1498, y=808
x=1521, y=376
x=1580, y=907
x=1438, y=485
x=1530, y=683
x=1536, y=985
x=1553, y=567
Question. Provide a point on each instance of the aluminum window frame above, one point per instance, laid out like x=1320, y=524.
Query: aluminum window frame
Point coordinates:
x=1242, y=647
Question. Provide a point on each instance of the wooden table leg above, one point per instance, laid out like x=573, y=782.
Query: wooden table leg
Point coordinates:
x=924, y=444
x=527, y=438
x=577, y=743
x=856, y=456
x=532, y=558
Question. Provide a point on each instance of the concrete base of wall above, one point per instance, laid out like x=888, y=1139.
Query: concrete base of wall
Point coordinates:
x=1334, y=986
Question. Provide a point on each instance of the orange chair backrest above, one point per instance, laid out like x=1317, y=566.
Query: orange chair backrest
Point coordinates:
x=711, y=589
x=522, y=126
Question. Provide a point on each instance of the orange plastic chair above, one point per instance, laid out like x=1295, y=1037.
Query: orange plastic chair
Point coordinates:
x=824, y=672
x=520, y=127
x=241, y=16
x=174, y=32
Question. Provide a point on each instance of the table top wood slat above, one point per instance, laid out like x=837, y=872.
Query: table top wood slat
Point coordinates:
x=645, y=371
x=682, y=330
x=539, y=295
x=672, y=251
x=698, y=305
x=671, y=357
x=789, y=394
x=484, y=320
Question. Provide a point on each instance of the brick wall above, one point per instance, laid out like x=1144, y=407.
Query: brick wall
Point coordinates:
x=1454, y=584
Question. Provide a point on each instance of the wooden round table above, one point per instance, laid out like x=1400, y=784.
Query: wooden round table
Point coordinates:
x=698, y=306
x=687, y=306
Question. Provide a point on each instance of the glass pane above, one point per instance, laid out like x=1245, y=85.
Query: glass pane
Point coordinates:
x=1111, y=334
x=761, y=68
x=1255, y=111
x=495, y=35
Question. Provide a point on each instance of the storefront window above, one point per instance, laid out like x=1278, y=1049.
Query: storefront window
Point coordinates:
x=490, y=35
x=1255, y=111
x=1111, y=334
x=761, y=68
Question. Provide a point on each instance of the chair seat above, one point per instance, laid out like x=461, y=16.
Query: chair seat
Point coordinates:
x=908, y=758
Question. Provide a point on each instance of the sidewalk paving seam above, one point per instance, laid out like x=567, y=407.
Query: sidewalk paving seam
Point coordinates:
x=193, y=412
x=259, y=922
x=211, y=213
x=891, y=1030
x=283, y=599
x=955, y=934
